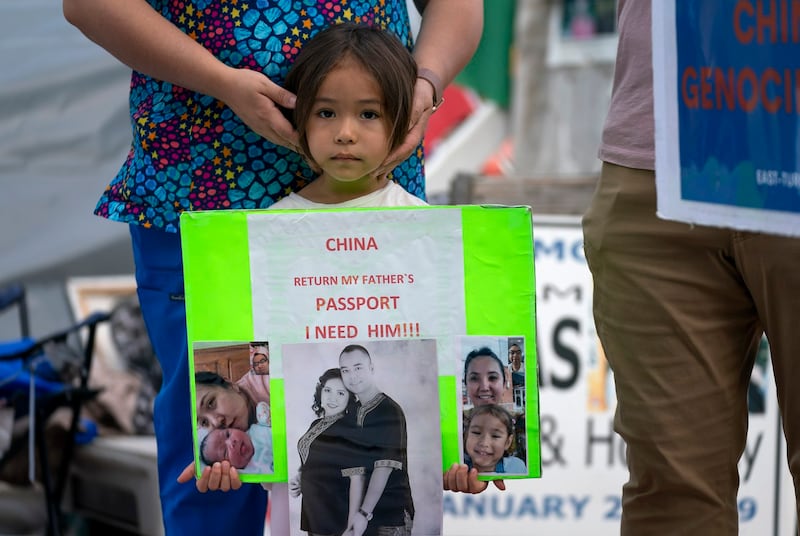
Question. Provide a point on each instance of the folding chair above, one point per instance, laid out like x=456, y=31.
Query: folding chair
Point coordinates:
x=34, y=389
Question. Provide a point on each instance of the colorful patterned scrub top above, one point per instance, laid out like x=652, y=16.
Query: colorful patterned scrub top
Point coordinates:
x=190, y=151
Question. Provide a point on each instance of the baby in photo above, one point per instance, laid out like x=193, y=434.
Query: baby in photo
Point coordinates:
x=249, y=451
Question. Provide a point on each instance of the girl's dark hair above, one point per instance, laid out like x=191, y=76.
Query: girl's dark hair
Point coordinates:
x=379, y=52
x=330, y=374
x=215, y=380
x=484, y=351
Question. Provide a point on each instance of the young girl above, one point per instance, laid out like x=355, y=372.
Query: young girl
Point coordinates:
x=489, y=433
x=354, y=87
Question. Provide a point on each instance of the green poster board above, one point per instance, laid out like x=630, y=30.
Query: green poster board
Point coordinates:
x=443, y=279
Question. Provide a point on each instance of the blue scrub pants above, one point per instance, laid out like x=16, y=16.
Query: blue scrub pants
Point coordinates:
x=159, y=278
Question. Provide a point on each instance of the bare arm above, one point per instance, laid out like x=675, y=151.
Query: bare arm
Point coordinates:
x=141, y=38
x=355, y=497
x=448, y=37
x=375, y=488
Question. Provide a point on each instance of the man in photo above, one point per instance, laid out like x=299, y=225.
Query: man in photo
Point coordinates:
x=381, y=426
x=515, y=358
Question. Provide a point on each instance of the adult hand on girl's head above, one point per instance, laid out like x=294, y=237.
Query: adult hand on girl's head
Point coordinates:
x=460, y=478
x=220, y=476
x=421, y=112
x=257, y=101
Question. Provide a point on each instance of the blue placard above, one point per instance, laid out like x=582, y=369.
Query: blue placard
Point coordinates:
x=738, y=77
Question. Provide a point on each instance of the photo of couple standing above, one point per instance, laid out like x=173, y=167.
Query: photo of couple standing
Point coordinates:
x=364, y=432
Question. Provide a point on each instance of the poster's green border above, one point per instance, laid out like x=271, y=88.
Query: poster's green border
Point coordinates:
x=498, y=280
x=500, y=288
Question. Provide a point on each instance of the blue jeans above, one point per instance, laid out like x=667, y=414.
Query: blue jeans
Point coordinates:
x=159, y=278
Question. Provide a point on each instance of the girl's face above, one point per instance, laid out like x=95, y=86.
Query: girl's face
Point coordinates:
x=333, y=397
x=229, y=444
x=487, y=442
x=485, y=381
x=218, y=407
x=348, y=136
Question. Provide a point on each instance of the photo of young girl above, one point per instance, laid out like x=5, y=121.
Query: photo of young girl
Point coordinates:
x=487, y=443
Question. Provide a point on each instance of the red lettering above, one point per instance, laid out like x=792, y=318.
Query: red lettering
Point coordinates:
x=363, y=243
x=689, y=87
x=742, y=35
x=336, y=332
x=705, y=88
x=795, y=21
x=357, y=303
x=766, y=21
x=725, y=88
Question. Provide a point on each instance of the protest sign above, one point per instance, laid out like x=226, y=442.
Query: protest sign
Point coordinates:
x=726, y=105
x=335, y=278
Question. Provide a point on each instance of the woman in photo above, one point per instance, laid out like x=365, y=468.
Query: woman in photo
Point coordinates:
x=485, y=378
x=329, y=481
x=223, y=404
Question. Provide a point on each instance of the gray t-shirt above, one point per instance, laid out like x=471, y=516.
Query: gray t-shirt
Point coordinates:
x=628, y=134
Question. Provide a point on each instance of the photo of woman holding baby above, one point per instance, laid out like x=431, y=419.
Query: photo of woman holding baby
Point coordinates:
x=232, y=408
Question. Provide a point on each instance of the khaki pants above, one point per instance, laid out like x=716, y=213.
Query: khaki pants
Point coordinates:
x=680, y=310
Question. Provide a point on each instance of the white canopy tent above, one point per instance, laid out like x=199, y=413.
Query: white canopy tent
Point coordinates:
x=63, y=134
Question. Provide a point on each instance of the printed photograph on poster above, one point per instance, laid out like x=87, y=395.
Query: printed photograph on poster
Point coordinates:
x=494, y=438
x=232, y=405
x=363, y=420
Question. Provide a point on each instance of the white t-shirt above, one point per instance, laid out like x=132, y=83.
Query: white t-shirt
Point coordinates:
x=391, y=195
